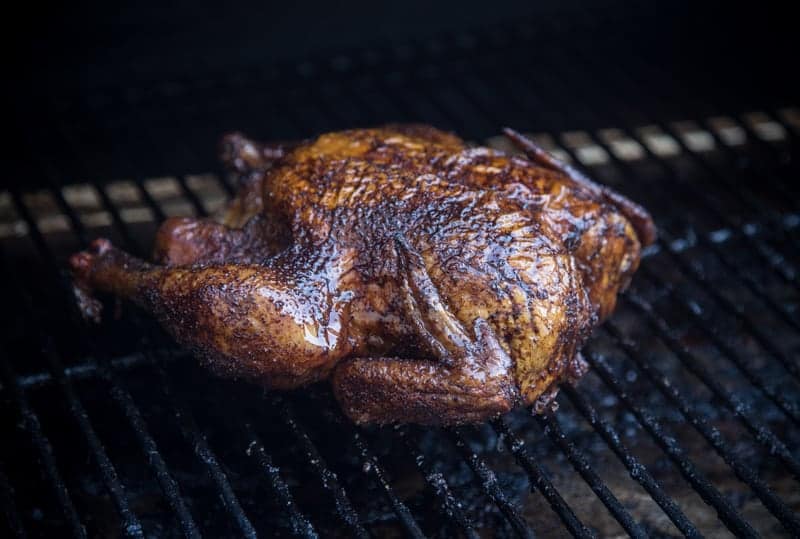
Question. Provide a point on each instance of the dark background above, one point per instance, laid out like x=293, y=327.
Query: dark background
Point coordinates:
x=96, y=44
x=112, y=72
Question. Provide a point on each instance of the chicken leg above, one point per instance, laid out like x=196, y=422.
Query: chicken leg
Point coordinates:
x=259, y=322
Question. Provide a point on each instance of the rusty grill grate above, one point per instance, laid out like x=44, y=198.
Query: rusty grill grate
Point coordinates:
x=687, y=424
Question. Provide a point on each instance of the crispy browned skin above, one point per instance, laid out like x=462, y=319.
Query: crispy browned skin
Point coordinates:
x=431, y=282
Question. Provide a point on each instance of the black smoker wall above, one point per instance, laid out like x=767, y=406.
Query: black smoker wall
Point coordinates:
x=94, y=43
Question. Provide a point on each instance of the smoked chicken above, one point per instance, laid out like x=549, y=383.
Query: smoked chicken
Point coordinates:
x=429, y=281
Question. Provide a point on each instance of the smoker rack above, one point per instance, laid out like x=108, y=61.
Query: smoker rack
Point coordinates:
x=710, y=323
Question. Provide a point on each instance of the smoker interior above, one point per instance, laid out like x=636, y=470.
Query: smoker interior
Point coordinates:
x=686, y=424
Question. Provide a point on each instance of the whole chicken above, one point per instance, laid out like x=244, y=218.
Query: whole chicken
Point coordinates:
x=431, y=282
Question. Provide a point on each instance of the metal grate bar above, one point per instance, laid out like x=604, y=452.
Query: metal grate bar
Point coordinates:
x=756, y=288
x=328, y=478
x=371, y=464
x=13, y=519
x=191, y=433
x=791, y=133
x=636, y=469
x=194, y=200
x=760, y=432
x=490, y=485
x=300, y=525
x=33, y=427
x=753, y=376
x=760, y=142
x=727, y=514
x=86, y=370
x=450, y=506
x=736, y=311
x=551, y=427
x=539, y=479
x=167, y=483
x=131, y=525
x=151, y=203
x=774, y=504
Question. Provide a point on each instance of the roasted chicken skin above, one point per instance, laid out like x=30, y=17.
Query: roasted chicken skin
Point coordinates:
x=431, y=282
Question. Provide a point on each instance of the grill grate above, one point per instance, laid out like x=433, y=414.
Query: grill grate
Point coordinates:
x=710, y=324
